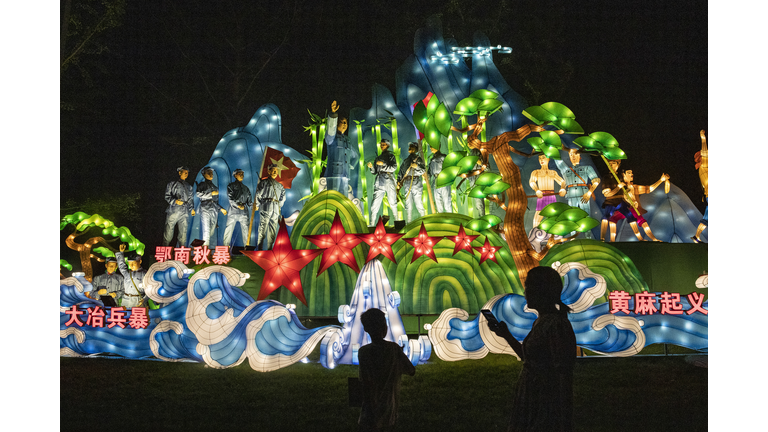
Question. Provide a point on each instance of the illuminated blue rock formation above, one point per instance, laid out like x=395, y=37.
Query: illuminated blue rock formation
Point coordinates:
x=243, y=148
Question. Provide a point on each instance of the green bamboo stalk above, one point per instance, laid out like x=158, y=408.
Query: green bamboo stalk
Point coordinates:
x=363, y=179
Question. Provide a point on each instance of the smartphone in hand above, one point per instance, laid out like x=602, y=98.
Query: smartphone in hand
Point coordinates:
x=489, y=316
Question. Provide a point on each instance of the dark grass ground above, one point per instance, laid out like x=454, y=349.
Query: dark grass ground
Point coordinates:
x=611, y=394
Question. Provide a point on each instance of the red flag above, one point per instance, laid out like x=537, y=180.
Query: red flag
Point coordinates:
x=286, y=168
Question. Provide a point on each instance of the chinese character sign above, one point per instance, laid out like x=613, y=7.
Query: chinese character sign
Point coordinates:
x=664, y=303
x=200, y=254
x=97, y=316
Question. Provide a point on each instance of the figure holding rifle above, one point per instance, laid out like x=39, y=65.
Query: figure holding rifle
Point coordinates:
x=239, y=201
x=411, y=172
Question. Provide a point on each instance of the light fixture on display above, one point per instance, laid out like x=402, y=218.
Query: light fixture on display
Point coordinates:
x=456, y=52
x=337, y=246
x=282, y=265
x=487, y=251
x=423, y=244
x=380, y=242
x=462, y=241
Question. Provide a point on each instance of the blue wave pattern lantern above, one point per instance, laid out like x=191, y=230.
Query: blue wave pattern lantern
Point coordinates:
x=456, y=338
x=204, y=318
x=373, y=290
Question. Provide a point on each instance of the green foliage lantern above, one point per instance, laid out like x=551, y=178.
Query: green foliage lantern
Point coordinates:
x=83, y=223
x=433, y=120
x=547, y=142
x=602, y=142
x=555, y=114
x=562, y=219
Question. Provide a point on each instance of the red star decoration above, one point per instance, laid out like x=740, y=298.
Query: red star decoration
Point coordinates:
x=337, y=246
x=423, y=244
x=487, y=251
x=380, y=242
x=282, y=265
x=463, y=241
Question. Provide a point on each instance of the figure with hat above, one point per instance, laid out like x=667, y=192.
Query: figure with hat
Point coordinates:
x=209, y=204
x=383, y=167
x=178, y=195
x=409, y=182
x=268, y=200
x=580, y=182
x=133, y=279
x=239, y=208
x=109, y=283
x=341, y=155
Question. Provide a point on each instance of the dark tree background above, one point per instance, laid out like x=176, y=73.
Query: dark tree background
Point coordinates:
x=157, y=84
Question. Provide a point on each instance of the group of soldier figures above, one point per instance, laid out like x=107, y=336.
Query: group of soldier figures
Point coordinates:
x=268, y=199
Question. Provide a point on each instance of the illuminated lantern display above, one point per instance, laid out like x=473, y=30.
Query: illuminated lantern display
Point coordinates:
x=487, y=251
x=462, y=241
x=282, y=265
x=249, y=147
x=337, y=245
x=205, y=317
x=374, y=291
x=380, y=242
x=597, y=326
x=333, y=287
x=454, y=280
x=423, y=244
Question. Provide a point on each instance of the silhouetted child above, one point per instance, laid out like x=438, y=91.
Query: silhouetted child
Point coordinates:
x=544, y=395
x=381, y=364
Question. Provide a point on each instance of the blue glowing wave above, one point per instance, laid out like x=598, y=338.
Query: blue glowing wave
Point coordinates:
x=595, y=328
x=203, y=318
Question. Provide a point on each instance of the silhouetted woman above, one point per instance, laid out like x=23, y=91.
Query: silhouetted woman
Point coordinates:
x=544, y=396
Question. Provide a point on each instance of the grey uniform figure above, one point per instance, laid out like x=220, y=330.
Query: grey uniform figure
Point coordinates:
x=580, y=182
x=111, y=281
x=239, y=208
x=269, y=199
x=383, y=167
x=409, y=179
x=208, y=194
x=178, y=195
x=442, y=195
x=133, y=277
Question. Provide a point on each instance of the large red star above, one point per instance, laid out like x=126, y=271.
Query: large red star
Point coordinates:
x=380, y=242
x=487, y=251
x=337, y=246
x=423, y=244
x=462, y=241
x=282, y=265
